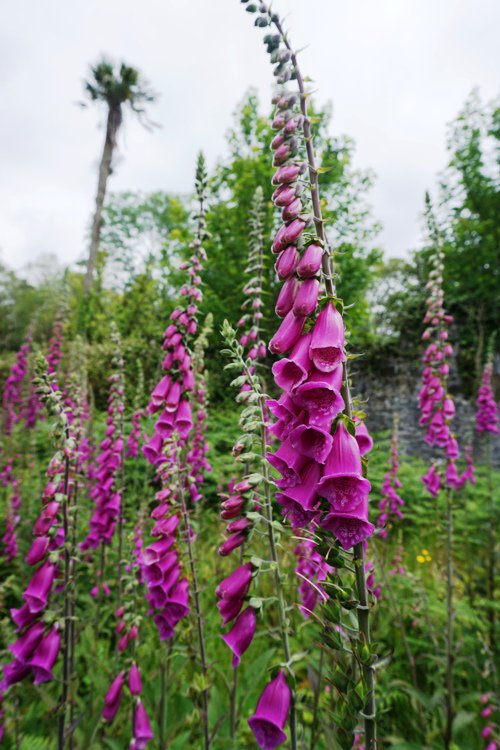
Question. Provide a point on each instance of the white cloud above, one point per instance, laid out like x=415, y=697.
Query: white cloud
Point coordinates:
x=397, y=71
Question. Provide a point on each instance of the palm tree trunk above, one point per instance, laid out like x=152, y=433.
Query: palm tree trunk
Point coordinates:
x=112, y=125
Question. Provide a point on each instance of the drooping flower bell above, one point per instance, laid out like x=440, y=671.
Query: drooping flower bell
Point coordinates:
x=271, y=714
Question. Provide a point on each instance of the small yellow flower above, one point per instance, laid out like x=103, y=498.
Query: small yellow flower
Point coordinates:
x=428, y=558
x=420, y=559
x=425, y=551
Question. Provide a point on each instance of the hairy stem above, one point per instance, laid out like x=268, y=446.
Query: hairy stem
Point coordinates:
x=199, y=618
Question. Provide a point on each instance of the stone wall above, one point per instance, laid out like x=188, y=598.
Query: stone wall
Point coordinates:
x=397, y=391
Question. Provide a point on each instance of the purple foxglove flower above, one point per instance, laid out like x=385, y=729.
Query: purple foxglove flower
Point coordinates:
x=178, y=605
x=184, y=418
x=288, y=462
x=165, y=627
x=293, y=124
x=134, y=680
x=281, y=154
x=27, y=643
x=287, y=334
x=287, y=262
x=307, y=297
x=293, y=231
x=232, y=543
x=240, y=525
x=22, y=616
x=229, y=609
x=291, y=371
x=236, y=585
x=160, y=392
x=241, y=634
x=113, y=698
x=39, y=587
x=363, y=438
x=174, y=394
x=452, y=450
x=300, y=502
x=320, y=395
x=142, y=728
x=38, y=550
x=292, y=210
x=312, y=442
x=286, y=174
x=310, y=263
x=452, y=477
x=286, y=297
x=448, y=408
x=432, y=481
x=343, y=484
x=283, y=195
x=232, y=507
x=271, y=714
x=351, y=527
x=13, y=672
x=327, y=346
x=279, y=242
x=277, y=141
x=45, y=656
x=152, y=448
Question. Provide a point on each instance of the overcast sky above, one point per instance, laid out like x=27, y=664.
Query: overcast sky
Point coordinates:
x=397, y=71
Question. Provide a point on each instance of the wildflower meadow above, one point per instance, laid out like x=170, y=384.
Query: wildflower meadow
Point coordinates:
x=249, y=464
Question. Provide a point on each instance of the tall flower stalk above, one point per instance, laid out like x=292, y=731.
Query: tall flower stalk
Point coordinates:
x=42, y=631
x=487, y=425
x=250, y=504
x=107, y=491
x=178, y=460
x=319, y=459
x=437, y=413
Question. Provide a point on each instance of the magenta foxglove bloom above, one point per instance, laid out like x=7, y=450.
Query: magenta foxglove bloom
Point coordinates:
x=291, y=371
x=271, y=714
x=241, y=634
x=342, y=483
x=310, y=263
x=306, y=298
x=320, y=395
x=113, y=698
x=287, y=334
x=45, y=656
x=327, y=345
x=142, y=728
x=363, y=437
x=350, y=527
x=311, y=569
x=236, y=585
x=432, y=481
x=286, y=297
x=134, y=680
x=39, y=587
x=487, y=410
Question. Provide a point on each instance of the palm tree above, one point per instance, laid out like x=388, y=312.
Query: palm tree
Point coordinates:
x=115, y=90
